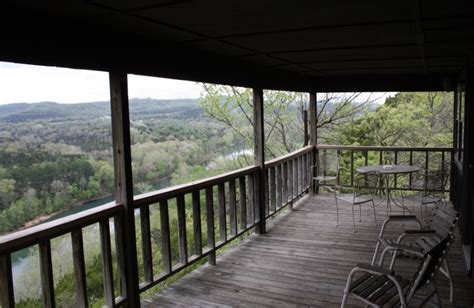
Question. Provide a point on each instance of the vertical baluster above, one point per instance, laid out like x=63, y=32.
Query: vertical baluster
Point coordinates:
x=211, y=242
x=295, y=178
x=366, y=157
x=106, y=254
x=7, y=299
x=146, y=243
x=46, y=270
x=290, y=184
x=251, y=199
x=79, y=268
x=411, y=164
x=222, y=213
x=197, y=222
x=120, y=252
x=165, y=236
x=256, y=189
x=243, y=203
x=338, y=155
x=284, y=183
x=266, y=192
x=232, y=208
x=380, y=157
x=183, y=242
x=395, y=154
x=352, y=168
x=279, y=192
x=427, y=158
x=272, y=190
x=442, y=167
x=300, y=172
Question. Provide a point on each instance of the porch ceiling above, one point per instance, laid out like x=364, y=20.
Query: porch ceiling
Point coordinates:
x=308, y=45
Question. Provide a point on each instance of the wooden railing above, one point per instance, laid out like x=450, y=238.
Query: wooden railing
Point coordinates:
x=231, y=209
x=287, y=178
x=42, y=234
x=352, y=157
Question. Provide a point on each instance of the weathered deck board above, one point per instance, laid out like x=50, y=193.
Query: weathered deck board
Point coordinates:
x=304, y=259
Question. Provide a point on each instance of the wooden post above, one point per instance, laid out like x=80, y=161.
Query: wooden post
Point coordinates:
x=259, y=153
x=305, y=127
x=124, y=184
x=452, y=183
x=313, y=135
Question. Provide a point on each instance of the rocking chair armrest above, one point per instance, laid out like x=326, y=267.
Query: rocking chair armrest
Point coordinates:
x=415, y=232
x=398, y=246
x=376, y=270
x=395, y=218
x=401, y=217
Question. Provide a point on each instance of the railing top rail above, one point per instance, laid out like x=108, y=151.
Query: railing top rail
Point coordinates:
x=289, y=156
x=31, y=236
x=383, y=148
x=173, y=191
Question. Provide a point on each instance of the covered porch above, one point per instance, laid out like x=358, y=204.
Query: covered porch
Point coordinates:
x=303, y=260
x=296, y=258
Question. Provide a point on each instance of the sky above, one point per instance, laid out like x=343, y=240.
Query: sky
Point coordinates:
x=22, y=83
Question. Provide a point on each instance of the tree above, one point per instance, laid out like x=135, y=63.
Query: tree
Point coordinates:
x=232, y=106
x=407, y=119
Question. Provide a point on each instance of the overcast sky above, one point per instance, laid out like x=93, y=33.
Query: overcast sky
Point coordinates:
x=32, y=83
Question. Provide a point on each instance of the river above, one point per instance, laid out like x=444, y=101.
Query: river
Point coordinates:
x=21, y=260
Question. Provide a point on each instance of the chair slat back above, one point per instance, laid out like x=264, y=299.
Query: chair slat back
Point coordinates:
x=444, y=220
x=366, y=184
x=430, y=265
x=327, y=164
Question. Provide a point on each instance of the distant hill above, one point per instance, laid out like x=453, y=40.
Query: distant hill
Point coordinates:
x=139, y=108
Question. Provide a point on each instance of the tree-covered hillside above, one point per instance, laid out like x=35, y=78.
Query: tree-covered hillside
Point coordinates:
x=53, y=156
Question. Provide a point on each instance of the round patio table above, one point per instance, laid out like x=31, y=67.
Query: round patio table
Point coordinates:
x=386, y=171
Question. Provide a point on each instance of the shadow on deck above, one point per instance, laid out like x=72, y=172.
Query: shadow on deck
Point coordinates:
x=304, y=259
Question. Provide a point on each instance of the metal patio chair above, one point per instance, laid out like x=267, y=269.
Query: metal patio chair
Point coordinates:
x=430, y=186
x=364, y=190
x=443, y=223
x=379, y=287
x=326, y=175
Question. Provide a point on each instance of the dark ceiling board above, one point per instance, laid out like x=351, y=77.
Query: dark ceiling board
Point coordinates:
x=405, y=70
x=218, y=18
x=128, y=42
x=356, y=36
x=122, y=22
x=461, y=58
x=436, y=8
x=136, y=5
x=263, y=60
x=356, y=53
x=218, y=47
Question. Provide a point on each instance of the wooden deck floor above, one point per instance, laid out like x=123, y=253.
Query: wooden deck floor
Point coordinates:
x=303, y=260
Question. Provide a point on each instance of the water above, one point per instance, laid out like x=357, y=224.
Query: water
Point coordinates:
x=85, y=206
x=20, y=258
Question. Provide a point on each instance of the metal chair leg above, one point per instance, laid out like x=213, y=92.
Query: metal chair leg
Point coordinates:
x=337, y=208
x=375, y=215
x=353, y=219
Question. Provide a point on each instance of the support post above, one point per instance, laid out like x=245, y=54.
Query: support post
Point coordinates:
x=305, y=127
x=313, y=135
x=124, y=184
x=452, y=183
x=259, y=154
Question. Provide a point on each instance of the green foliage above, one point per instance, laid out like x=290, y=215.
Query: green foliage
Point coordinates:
x=406, y=119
